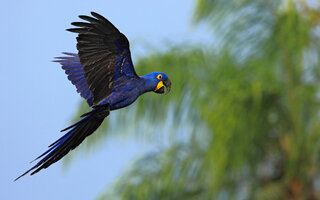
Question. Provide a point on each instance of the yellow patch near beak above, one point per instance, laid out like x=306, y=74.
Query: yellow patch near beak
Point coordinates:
x=160, y=85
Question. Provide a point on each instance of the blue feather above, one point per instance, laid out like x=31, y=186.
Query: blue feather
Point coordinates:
x=73, y=68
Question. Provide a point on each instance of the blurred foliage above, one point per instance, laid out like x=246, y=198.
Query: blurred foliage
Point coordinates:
x=255, y=107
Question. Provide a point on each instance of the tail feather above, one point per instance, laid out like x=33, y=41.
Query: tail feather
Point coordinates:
x=73, y=125
x=71, y=139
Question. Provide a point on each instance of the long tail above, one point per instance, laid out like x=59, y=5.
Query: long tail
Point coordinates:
x=79, y=131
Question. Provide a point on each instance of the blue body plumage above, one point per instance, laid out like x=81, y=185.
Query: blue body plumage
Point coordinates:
x=104, y=75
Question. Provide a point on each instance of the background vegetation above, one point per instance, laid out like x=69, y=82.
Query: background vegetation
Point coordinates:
x=242, y=120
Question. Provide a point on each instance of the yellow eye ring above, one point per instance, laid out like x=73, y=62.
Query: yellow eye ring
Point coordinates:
x=159, y=77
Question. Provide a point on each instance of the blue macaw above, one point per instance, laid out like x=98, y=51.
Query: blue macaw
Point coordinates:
x=104, y=75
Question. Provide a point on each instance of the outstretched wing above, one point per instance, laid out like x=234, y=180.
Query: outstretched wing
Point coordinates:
x=104, y=53
x=71, y=64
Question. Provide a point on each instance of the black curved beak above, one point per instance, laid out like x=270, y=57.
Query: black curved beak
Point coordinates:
x=167, y=83
x=161, y=84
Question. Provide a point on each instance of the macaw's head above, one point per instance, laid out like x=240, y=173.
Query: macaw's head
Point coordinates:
x=157, y=82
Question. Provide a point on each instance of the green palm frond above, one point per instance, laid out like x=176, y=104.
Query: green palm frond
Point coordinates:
x=250, y=110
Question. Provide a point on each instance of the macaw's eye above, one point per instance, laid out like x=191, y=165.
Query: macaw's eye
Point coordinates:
x=159, y=77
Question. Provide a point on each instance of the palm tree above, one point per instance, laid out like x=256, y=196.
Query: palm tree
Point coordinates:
x=252, y=99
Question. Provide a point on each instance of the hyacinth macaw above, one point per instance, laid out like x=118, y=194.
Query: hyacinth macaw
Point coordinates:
x=104, y=75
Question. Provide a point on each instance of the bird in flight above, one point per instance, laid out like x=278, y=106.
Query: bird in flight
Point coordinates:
x=104, y=75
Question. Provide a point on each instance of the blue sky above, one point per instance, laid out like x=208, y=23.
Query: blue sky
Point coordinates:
x=37, y=99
